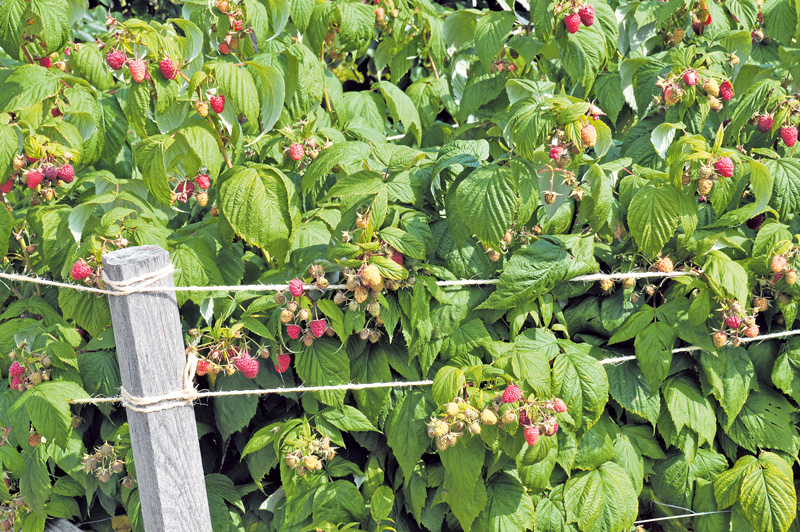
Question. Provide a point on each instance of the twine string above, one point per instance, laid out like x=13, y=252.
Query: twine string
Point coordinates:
x=143, y=283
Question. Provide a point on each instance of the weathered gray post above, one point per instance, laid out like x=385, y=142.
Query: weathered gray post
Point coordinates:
x=151, y=357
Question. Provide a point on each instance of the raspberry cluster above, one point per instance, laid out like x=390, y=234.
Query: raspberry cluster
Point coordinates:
x=28, y=368
x=309, y=455
x=106, y=462
x=225, y=352
x=736, y=322
x=459, y=418
x=577, y=14
x=40, y=175
x=299, y=314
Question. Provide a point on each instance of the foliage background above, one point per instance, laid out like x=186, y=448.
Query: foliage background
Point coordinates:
x=472, y=100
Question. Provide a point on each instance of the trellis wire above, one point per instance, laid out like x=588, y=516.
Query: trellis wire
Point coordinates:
x=143, y=285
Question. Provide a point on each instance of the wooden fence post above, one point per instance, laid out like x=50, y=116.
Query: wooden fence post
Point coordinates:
x=152, y=357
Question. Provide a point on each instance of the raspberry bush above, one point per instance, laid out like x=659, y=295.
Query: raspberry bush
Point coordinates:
x=383, y=147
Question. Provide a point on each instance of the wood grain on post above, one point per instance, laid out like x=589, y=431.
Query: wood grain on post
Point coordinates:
x=152, y=357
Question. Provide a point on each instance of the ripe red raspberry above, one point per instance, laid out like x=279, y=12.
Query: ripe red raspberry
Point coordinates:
x=247, y=365
x=34, y=178
x=724, y=166
x=572, y=22
x=719, y=338
x=532, y=435
x=586, y=13
x=778, y=263
x=789, y=135
x=167, y=67
x=16, y=383
x=296, y=151
x=6, y=187
x=55, y=112
x=203, y=367
x=224, y=48
x=16, y=369
x=50, y=172
x=81, y=270
x=283, y=363
x=733, y=322
x=559, y=405
x=765, y=123
x=690, y=78
x=184, y=190
x=726, y=90
x=66, y=173
x=397, y=257
x=115, y=59
x=556, y=152
x=138, y=70
x=217, y=103
x=318, y=327
x=203, y=181
x=512, y=394
x=524, y=420
x=665, y=265
x=30, y=159
x=46, y=62
x=589, y=135
x=296, y=287
x=237, y=26
x=293, y=331
x=751, y=332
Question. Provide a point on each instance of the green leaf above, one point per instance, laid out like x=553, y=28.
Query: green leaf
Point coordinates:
x=582, y=383
x=487, y=202
x=203, y=149
x=356, y=26
x=150, y=155
x=654, y=352
x=447, y=383
x=235, y=412
x=629, y=387
x=463, y=462
x=688, y=407
x=406, y=432
x=653, y=217
x=764, y=422
x=381, y=503
x=49, y=410
x=785, y=173
x=491, y=33
x=730, y=375
x=88, y=310
x=508, y=507
x=27, y=86
x=347, y=418
x=11, y=26
x=726, y=277
x=404, y=242
x=728, y=485
x=35, y=485
x=465, y=505
x=338, y=502
x=533, y=270
x=634, y=325
x=324, y=363
x=256, y=201
x=601, y=500
x=272, y=91
x=768, y=495
x=91, y=65
x=237, y=85
x=401, y=108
